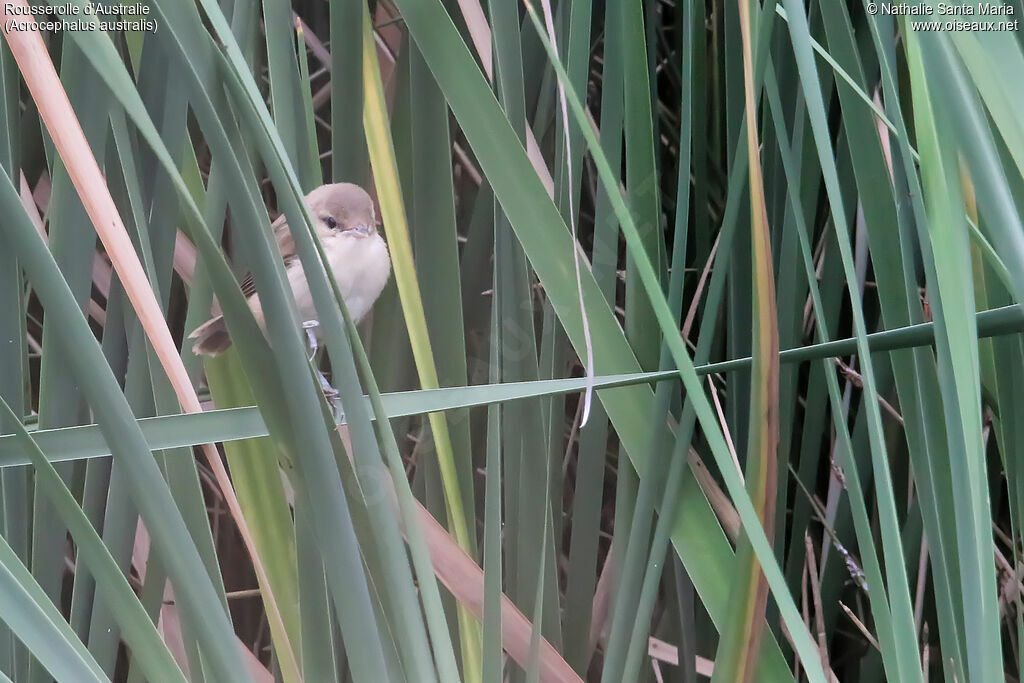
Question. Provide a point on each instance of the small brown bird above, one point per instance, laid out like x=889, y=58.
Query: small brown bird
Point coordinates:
x=346, y=223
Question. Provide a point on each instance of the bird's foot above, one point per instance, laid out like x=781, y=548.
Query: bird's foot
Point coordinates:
x=308, y=327
x=331, y=394
x=329, y=391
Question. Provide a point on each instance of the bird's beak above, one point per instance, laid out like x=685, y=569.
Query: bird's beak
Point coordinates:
x=364, y=230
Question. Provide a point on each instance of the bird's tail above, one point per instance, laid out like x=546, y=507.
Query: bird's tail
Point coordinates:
x=211, y=338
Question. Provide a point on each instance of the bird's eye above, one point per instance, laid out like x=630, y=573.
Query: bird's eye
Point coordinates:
x=331, y=223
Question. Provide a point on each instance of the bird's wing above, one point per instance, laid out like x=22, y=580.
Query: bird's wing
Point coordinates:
x=248, y=284
x=283, y=237
x=285, y=245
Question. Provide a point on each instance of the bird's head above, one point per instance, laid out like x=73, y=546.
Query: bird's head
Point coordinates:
x=342, y=209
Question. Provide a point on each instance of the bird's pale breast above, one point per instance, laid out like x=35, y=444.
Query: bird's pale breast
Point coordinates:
x=361, y=266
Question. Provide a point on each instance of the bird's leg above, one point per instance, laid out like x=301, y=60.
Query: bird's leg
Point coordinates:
x=330, y=393
x=308, y=328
